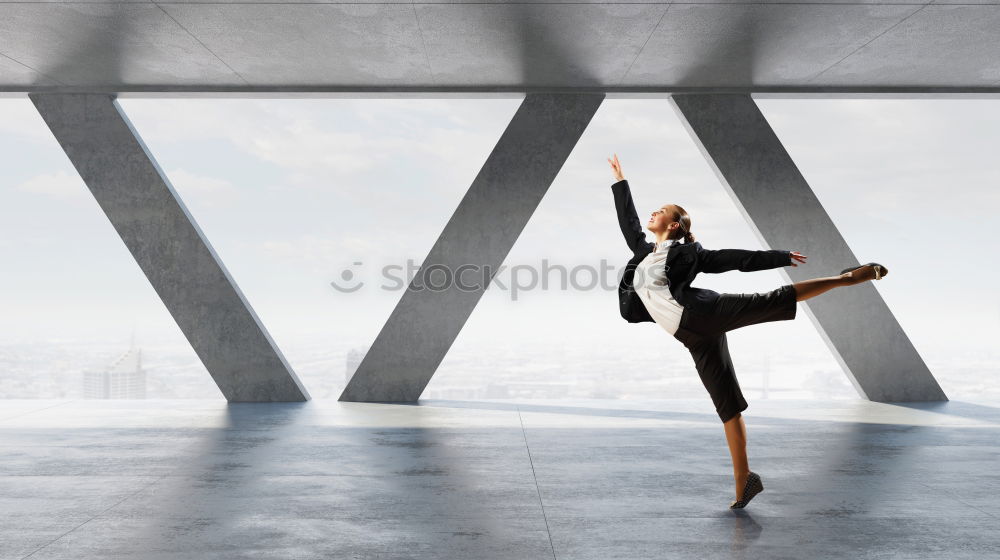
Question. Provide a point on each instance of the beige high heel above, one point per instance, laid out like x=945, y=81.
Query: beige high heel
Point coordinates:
x=880, y=270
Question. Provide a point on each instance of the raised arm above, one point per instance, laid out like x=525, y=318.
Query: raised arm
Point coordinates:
x=635, y=237
x=723, y=260
x=628, y=220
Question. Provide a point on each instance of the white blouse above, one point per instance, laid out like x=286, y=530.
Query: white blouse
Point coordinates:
x=650, y=284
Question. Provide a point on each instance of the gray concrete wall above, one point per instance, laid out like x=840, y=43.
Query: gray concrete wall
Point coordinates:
x=480, y=233
x=169, y=247
x=767, y=187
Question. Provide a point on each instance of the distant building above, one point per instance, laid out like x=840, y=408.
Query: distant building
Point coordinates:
x=123, y=379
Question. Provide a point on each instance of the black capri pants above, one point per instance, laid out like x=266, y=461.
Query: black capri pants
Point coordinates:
x=704, y=335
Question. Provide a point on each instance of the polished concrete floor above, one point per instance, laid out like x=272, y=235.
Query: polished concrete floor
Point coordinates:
x=500, y=479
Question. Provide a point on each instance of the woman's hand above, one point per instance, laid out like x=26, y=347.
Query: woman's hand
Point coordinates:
x=796, y=256
x=616, y=168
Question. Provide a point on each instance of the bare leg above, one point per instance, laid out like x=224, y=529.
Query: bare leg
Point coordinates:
x=736, y=435
x=812, y=288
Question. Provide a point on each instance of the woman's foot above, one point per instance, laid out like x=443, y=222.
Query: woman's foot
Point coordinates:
x=741, y=483
x=864, y=273
x=752, y=487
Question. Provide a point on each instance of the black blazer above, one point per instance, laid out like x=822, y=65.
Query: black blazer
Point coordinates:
x=684, y=262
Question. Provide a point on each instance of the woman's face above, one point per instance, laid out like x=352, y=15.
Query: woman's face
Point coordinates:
x=661, y=218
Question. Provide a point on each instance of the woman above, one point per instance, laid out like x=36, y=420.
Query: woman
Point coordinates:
x=656, y=287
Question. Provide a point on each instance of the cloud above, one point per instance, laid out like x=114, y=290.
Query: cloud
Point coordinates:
x=323, y=252
x=60, y=185
x=19, y=118
x=879, y=156
x=210, y=191
x=301, y=146
x=69, y=187
x=335, y=138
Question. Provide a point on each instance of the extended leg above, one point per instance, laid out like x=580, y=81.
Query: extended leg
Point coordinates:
x=812, y=288
x=736, y=435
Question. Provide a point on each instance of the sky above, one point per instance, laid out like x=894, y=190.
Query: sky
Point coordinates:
x=292, y=193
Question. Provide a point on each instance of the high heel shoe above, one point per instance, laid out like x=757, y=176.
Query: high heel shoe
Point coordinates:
x=880, y=271
x=752, y=488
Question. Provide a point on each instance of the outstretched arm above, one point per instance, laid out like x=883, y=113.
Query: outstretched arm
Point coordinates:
x=628, y=220
x=723, y=260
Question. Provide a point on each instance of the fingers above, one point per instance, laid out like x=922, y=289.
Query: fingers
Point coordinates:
x=615, y=166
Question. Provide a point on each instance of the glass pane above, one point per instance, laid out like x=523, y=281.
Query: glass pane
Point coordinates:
x=572, y=342
x=298, y=194
x=912, y=184
x=77, y=311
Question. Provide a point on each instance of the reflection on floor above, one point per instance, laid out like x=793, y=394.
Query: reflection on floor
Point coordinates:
x=499, y=479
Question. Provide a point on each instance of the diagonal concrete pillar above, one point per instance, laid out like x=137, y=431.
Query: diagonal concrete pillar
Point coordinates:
x=170, y=248
x=779, y=205
x=478, y=237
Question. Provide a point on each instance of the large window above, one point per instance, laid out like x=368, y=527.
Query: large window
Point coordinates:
x=295, y=195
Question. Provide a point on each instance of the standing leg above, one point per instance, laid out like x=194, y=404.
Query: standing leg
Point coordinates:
x=736, y=435
x=715, y=368
x=812, y=288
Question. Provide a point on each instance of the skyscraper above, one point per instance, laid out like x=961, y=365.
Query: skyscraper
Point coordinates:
x=123, y=379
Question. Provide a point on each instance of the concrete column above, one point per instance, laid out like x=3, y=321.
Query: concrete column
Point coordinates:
x=170, y=248
x=478, y=236
x=776, y=201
